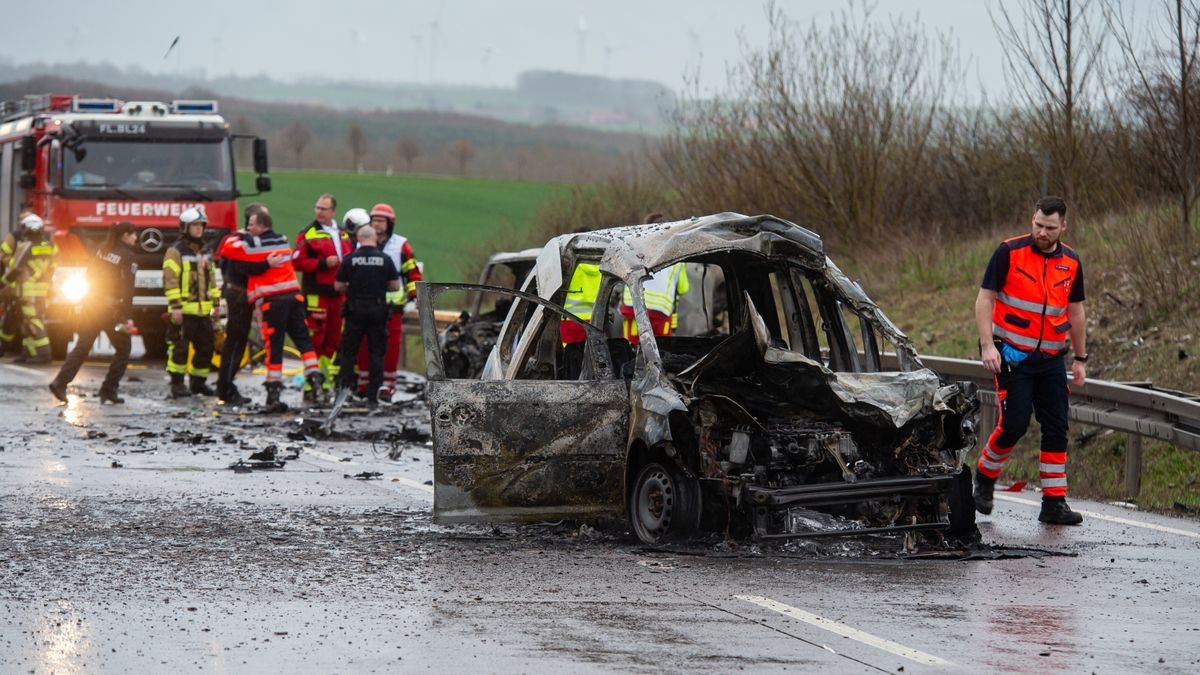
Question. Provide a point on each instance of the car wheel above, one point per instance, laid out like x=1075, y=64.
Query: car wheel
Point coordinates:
x=962, y=508
x=664, y=504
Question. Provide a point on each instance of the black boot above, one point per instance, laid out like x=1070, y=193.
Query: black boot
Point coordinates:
x=234, y=398
x=984, y=487
x=273, y=404
x=178, y=388
x=59, y=390
x=316, y=380
x=110, y=396
x=1056, y=512
x=199, y=387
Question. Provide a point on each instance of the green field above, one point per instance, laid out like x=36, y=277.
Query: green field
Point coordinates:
x=442, y=216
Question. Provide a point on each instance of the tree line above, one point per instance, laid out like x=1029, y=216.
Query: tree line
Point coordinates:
x=863, y=127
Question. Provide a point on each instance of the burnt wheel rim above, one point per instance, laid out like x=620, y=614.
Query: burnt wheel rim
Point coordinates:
x=654, y=505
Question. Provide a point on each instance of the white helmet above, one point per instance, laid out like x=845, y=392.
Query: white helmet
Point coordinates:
x=33, y=223
x=354, y=219
x=192, y=215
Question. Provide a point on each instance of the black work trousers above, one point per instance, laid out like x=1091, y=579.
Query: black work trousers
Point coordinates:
x=90, y=327
x=1037, y=385
x=239, y=314
x=364, y=319
x=196, y=332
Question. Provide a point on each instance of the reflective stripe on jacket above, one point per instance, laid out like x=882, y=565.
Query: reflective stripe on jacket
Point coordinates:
x=188, y=279
x=1031, y=306
x=272, y=281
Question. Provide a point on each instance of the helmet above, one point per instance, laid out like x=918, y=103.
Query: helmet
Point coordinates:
x=355, y=218
x=384, y=210
x=192, y=215
x=33, y=223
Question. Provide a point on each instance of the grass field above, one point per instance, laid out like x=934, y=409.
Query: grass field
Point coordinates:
x=442, y=216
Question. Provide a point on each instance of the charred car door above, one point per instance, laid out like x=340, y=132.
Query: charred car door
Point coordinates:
x=544, y=437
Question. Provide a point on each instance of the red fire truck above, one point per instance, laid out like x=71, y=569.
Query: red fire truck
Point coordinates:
x=85, y=163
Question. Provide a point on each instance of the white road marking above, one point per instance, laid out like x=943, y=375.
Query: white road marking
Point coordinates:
x=1111, y=519
x=426, y=490
x=846, y=631
x=23, y=370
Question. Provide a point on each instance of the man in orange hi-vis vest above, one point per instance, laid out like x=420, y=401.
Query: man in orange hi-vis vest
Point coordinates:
x=1030, y=302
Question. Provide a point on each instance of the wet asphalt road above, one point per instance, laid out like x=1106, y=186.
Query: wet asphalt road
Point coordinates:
x=171, y=561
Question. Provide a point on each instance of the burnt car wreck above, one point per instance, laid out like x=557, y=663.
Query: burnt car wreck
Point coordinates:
x=782, y=403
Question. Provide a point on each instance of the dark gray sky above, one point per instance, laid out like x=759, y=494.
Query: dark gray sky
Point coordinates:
x=448, y=41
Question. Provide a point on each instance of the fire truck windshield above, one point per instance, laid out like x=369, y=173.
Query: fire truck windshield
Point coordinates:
x=146, y=165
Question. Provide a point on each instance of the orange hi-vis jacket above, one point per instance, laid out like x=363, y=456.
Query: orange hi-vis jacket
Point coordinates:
x=274, y=280
x=1031, y=306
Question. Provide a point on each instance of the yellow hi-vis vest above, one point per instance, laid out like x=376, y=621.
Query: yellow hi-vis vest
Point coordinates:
x=582, y=291
x=661, y=290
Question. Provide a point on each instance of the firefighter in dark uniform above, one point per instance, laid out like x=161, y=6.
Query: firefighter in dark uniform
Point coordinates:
x=239, y=313
x=192, y=295
x=109, y=308
x=366, y=276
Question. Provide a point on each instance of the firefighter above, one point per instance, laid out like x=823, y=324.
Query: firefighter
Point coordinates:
x=661, y=293
x=29, y=273
x=192, y=301
x=109, y=308
x=1030, y=301
x=320, y=248
x=366, y=276
x=239, y=313
x=400, y=300
x=10, y=326
x=277, y=295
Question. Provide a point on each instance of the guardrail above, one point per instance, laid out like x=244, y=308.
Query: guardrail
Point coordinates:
x=1135, y=409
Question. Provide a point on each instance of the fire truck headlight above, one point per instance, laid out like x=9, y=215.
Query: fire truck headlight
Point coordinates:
x=75, y=288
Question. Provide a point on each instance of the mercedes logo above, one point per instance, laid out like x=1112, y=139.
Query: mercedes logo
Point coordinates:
x=151, y=239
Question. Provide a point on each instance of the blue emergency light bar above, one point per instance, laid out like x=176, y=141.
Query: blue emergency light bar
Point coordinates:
x=194, y=107
x=95, y=105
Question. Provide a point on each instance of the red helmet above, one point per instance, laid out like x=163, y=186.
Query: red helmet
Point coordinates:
x=384, y=210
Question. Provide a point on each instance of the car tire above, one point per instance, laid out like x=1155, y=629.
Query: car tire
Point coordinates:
x=664, y=504
x=962, y=508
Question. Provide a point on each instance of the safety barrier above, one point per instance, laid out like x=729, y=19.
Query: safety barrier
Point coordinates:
x=1136, y=409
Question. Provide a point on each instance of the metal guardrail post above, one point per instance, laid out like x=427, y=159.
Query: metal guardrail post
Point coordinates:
x=1133, y=466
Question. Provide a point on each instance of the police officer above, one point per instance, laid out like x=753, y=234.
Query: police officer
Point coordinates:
x=192, y=295
x=366, y=276
x=111, y=276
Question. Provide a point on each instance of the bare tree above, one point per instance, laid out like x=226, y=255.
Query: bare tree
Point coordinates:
x=824, y=124
x=297, y=137
x=408, y=149
x=1161, y=93
x=463, y=152
x=357, y=142
x=1052, y=53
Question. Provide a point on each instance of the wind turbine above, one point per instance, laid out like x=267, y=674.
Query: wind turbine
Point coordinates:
x=582, y=28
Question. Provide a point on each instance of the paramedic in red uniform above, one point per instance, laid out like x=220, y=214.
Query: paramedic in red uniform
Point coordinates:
x=1030, y=302
x=320, y=248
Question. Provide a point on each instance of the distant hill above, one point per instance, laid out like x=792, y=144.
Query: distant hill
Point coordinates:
x=539, y=96
x=502, y=150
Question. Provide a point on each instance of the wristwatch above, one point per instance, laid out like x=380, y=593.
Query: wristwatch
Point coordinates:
x=1082, y=358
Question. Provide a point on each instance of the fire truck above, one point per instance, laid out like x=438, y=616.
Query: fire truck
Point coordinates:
x=83, y=164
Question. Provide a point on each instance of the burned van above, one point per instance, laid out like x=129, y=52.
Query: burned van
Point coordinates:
x=776, y=400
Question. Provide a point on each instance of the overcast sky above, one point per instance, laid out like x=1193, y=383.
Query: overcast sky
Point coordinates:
x=447, y=41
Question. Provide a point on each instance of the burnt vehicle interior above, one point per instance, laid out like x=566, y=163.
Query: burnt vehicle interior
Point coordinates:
x=805, y=411
x=466, y=343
